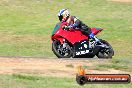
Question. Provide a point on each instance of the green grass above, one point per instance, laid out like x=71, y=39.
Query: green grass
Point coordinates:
x=26, y=25
x=117, y=64
x=25, y=81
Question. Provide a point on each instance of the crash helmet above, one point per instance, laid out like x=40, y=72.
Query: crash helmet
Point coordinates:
x=63, y=14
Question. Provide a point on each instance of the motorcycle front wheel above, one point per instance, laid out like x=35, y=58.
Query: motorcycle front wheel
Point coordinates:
x=60, y=51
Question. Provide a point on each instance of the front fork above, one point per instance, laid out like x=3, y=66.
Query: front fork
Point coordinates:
x=64, y=46
x=64, y=43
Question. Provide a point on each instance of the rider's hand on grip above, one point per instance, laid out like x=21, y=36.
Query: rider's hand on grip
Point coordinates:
x=65, y=27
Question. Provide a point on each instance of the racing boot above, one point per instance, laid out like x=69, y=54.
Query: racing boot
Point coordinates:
x=92, y=36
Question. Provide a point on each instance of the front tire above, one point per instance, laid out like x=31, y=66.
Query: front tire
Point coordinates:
x=58, y=50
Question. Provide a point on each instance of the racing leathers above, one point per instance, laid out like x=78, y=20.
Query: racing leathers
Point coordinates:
x=75, y=23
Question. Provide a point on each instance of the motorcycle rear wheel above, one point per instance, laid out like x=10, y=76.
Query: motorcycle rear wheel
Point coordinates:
x=105, y=53
x=57, y=50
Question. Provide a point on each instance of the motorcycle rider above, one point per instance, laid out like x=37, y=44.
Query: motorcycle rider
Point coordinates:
x=75, y=23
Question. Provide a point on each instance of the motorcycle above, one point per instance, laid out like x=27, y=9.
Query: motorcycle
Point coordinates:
x=73, y=43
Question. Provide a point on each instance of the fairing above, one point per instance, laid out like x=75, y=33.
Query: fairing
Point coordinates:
x=73, y=35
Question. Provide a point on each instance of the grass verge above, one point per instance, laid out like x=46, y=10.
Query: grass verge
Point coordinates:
x=26, y=81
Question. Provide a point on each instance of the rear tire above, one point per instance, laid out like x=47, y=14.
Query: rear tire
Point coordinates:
x=58, y=53
x=105, y=53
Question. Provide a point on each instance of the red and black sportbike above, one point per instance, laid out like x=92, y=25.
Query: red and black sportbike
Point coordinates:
x=72, y=43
